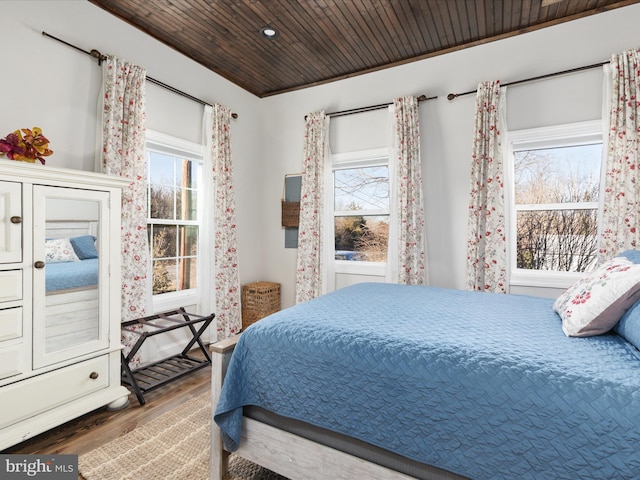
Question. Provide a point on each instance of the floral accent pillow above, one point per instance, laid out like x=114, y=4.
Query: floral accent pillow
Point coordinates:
x=59, y=250
x=596, y=302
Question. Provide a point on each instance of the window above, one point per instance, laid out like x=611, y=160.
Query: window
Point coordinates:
x=555, y=175
x=174, y=214
x=361, y=206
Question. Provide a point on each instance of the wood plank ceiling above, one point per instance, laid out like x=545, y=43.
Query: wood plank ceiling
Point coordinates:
x=325, y=40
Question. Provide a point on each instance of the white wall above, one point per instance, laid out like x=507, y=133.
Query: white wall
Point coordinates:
x=446, y=127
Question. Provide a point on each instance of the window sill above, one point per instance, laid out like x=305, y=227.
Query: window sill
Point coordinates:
x=171, y=301
x=360, y=268
x=545, y=279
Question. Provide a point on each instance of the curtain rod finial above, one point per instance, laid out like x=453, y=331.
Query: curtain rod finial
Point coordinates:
x=97, y=55
x=451, y=96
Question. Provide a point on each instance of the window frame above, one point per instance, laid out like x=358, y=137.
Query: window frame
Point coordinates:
x=168, y=144
x=342, y=161
x=556, y=136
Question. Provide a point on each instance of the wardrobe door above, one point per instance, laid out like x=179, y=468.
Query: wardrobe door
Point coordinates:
x=10, y=222
x=70, y=273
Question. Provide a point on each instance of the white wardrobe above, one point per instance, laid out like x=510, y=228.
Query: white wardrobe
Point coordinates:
x=59, y=297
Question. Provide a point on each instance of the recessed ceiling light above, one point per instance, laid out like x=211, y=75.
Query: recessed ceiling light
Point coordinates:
x=269, y=32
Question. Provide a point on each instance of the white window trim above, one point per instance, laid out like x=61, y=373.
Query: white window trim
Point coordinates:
x=555, y=135
x=529, y=207
x=370, y=157
x=360, y=157
x=358, y=213
x=579, y=133
x=360, y=268
x=170, y=142
x=195, y=151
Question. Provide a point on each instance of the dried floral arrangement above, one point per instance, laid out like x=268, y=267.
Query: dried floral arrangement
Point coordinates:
x=26, y=145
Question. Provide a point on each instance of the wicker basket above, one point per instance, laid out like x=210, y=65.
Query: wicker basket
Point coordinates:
x=259, y=300
x=290, y=214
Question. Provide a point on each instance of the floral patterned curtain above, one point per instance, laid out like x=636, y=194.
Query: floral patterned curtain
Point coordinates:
x=123, y=154
x=406, y=235
x=227, y=283
x=487, y=239
x=620, y=223
x=309, y=265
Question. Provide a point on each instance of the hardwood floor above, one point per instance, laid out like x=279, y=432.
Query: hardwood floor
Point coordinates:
x=96, y=428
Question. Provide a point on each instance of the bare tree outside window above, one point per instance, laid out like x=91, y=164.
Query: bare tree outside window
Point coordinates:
x=361, y=203
x=172, y=224
x=556, y=200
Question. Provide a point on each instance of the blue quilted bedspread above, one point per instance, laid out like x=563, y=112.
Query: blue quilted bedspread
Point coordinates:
x=65, y=275
x=483, y=385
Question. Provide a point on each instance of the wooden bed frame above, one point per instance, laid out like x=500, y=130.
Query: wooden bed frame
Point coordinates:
x=289, y=455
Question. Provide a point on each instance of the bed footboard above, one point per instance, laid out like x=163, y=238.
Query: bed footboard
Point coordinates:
x=220, y=356
x=287, y=454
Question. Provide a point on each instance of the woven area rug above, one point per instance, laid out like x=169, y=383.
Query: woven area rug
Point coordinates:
x=174, y=446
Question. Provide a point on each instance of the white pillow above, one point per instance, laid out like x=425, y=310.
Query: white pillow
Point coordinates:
x=59, y=250
x=595, y=303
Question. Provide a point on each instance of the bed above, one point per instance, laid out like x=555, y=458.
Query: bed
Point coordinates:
x=71, y=283
x=71, y=264
x=66, y=276
x=390, y=381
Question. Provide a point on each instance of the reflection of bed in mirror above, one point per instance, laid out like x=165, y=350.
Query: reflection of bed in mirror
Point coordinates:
x=71, y=281
x=71, y=276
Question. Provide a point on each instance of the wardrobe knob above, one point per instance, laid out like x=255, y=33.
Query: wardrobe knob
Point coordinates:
x=39, y=264
x=16, y=219
x=93, y=375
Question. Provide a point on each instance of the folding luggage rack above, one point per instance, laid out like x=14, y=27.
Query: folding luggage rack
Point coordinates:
x=154, y=375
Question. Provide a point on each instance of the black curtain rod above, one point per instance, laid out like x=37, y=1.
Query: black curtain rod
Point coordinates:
x=370, y=108
x=452, y=96
x=97, y=55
